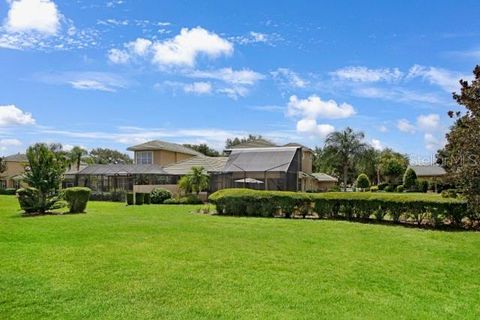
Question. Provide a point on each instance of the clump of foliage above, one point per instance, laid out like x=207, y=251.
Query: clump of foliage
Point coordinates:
x=392, y=166
x=196, y=181
x=400, y=188
x=422, y=185
x=362, y=181
x=77, y=198
x=410, y=179
x=130, y=201
x=159, y=195
x=146, y=198
x=258, y=139
x=139, y=198
x=204, y=149
x=44, y=174
x=190, y=199
x=107, y=156
x=3, y=165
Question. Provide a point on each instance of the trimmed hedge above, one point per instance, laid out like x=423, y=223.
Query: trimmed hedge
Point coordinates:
x=159, y=195
x=130, y=199
x=8, y=191
x=146, y=198
x=77, y=198
x=347, y=205
x=190, y=199
x=139, y=198
x=115, y=196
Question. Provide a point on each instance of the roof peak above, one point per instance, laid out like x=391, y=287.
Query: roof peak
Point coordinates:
x=163, y=145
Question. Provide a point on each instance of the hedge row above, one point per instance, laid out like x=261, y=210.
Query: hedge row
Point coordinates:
x=417, y=208
x=8, y=191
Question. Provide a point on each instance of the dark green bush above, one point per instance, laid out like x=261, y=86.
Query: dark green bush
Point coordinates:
x=400, y=188
x=130, y=199
x=382, y=186
x=374, y=189
x=422, y=185
x=190, y=199
x=146, y=198
x=362, y=181
x=8, y=191
x=159, y=195
x=28, y=199
x=389, y=188
x=139, y=198
x=410, y=179
x=115, y=196
x=77, y=198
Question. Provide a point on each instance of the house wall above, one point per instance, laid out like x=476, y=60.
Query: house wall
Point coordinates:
x=163, y=157
x=13, y=168
x=307, y=161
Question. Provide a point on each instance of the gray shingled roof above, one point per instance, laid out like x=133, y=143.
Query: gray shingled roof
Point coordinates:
x=122, y=169
x=163, y=145
x=19, y=157
x=323, y=177
x=258, y=143
x=275, y=159
x=211, y=164
x=428, y=171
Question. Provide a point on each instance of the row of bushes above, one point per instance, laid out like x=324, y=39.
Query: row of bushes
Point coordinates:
x=352, y=206
x=7, y=191
x=75, y=198
x=115, y=196
x=160, y=196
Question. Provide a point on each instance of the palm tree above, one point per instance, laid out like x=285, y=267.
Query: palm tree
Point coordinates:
x=75, y=156
x=347, y=146
x=196, y=181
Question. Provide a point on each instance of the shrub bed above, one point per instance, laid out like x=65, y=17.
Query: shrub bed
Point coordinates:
x=159, y=195
x=116, y=196
x=190, y=199
x=8, y=191
x=77, y=198
x=406, y=208
x=139, y=198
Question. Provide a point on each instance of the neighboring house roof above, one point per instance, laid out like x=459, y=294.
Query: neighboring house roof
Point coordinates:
x=428, y=171
x=122, y=169
x=210, y=164
x=19, y=157
x=258, y=143
x=323, y=177
x=73, y=170
x=274, y=159
x=163, y=145
x=294, y=144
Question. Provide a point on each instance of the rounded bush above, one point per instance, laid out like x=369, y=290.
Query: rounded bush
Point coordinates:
x=77, y=198
x=362, y=181
x=28, y=199
x=139, y=198
x=374, y=189
x=130, y=199
x=389, y=188
x=400, y=188
x=159, y=195
x=410, y=179
x=146, y=198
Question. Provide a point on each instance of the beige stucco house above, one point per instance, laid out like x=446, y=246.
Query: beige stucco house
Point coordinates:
x=13, y=175
x=161, y=153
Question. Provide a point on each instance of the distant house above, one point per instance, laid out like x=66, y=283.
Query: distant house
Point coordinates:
x=13, y=176
x=429, y=172
x=161, y=153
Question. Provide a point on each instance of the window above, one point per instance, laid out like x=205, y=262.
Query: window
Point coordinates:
x=3, y=184
x=144, y=157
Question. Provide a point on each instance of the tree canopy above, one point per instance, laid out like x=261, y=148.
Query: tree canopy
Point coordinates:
x=204, y=149
x=107, y=156
x=250, y=138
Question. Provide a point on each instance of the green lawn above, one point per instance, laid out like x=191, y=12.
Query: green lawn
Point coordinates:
x=156, y=262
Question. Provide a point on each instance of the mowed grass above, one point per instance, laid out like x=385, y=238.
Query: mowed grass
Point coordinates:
x=160, y=262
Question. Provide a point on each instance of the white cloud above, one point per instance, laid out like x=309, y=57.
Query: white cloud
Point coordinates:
x=405, y=126
x=198, y=88
x=240, y=77
x=140, y=46
x=397, y=94
x=257, y=37
x=33, y=15
x=376, y=144
x=364, y=74
x=11, y=115
x=183, y=49
x=99, y=81
x=314, y=107
x=234, y=92
x=118, y=56
x=447, y=80
x=288, y=78
x=310, y=126
x=428, y=122
x=383, y=128
x=432, y=142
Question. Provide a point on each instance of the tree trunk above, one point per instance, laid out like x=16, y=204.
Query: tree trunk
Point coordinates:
x=345, y=177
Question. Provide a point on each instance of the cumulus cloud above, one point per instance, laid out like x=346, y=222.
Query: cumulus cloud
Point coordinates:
x=428, y=122
x=447, y=80
x=364, y=74
x=198, y=88
x=33, y=15
x=376, y=144
x=314, y=107
x=405, y=126
x=118, y=56
x=310, y=126
x=10, y=115
x=432, y=142
x=288, y=78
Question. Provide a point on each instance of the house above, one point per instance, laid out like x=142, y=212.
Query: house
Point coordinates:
x=325, y=181
x=15, y=167
x=161, y=153
x=429, y=172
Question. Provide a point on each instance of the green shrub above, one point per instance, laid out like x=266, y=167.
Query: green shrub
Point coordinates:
x=374, y=189
x=8, y=191
x=28, y=199
x=190, y=199
x=382, y=186
x=400, y=188
x=410, y=179
x=159, y=195
x=335, y=188
x=139, y=198
x=389, y=188
x=362, y=181
x=77, y=198
x=450, y=193
x=130, y=199
x=115, y=196
x=422, y=185
x=146, y=198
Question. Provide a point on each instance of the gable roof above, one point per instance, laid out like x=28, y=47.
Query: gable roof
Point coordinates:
x=428, y=171
x=275, y=159
x=19, y=157
x=258, y=143
x=163, y=145
x=211, y=164
x=295, y=144
x=323, y=177
x=122, y=169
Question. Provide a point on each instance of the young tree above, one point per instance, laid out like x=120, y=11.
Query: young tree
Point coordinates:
x=346, y=146
x=45, y=172
x=75, y=156
x=363, y=182
x=410, y=179
x=463, y=143
x=392, y=165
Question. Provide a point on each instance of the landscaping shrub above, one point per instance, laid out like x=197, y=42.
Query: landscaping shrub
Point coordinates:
x=382, y=186
x=28, y=199
x=159, y=195
x=77, y=198
x=362, y=181
x=346, y=205
x=139, y=198
x=130, y=199
x=374, y=189
x=422, y=185
x=450, y=193
x=115, y=196
x=389, y=188
x=410, y=179
x=8, y=191
x=146, y=198
x=400, y=188
x=190, y=199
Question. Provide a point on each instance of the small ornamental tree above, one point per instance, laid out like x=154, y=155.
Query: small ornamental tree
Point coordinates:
x=196, y=181
x=45, y=173
x=362, y=181
x=410, y=179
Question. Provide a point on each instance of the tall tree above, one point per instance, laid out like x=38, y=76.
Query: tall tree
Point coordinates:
x=463, y=143
x=75, y=156
x=45, y=173
x=392, y=165
x=368, y=163
x=203, y=148
x=347, y=146
x=108, y=156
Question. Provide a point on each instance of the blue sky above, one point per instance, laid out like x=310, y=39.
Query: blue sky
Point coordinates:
x=117, y=73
